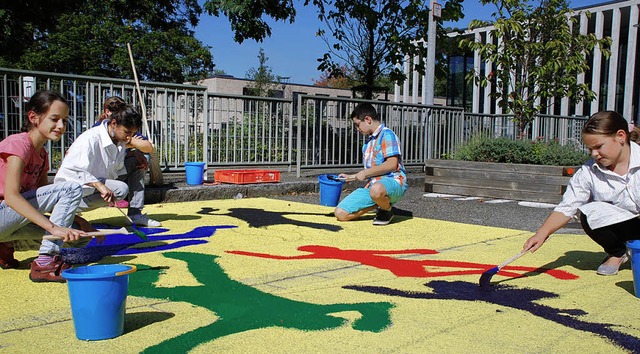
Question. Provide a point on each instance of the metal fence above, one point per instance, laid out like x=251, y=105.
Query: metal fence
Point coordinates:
x=329, y=139
x=564, y=130
x=187, y=123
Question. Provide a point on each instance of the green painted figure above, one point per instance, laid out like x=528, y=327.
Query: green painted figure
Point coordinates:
x=242, y=308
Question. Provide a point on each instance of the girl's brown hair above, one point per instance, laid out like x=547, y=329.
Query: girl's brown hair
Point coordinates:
x=609, y=123
x=40, y=103
x=113, y=104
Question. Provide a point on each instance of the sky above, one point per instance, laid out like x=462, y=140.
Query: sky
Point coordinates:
x=293, y=49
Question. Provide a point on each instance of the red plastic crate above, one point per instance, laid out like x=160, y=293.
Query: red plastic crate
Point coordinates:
x=246, y=176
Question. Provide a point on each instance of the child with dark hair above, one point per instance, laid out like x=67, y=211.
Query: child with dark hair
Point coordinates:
x=383, y=170
x=606, y=190
x=96, y=160
x=136, y=163
x=25, y=193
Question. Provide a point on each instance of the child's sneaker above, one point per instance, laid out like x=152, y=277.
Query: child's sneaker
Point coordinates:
x=143, y=220
x=51, y=272
x=383, y=217
x=6, y=256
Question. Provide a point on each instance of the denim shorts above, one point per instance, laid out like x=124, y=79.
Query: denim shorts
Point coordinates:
x=361, y=198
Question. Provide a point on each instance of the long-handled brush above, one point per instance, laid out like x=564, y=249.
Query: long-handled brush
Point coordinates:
x=91, y=254
x=155, y=173
x=104, y=232
x=340, y=179
x=135, y=231
x=485, y=278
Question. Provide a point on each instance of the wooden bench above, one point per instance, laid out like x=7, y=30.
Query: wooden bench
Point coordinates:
x=535, y=183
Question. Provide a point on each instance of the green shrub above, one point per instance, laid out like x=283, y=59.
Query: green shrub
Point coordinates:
x=520, y=151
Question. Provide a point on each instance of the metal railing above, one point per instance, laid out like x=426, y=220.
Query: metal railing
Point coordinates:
x=187, y=123
x=562, y=129
x=244, y=130
x=327, y=137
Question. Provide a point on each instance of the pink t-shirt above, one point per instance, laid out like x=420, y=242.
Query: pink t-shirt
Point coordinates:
x=35, y=163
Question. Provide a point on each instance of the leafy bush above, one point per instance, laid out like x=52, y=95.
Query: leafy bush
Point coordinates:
x=520, y=151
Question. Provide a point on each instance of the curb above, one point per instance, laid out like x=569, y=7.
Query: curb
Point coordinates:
x=226, y=191
x=181, y=192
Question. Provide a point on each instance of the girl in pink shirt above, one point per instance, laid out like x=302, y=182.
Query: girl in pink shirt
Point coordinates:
x=25, y=194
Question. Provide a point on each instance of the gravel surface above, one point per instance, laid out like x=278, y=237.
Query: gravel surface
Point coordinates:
x=489, y=212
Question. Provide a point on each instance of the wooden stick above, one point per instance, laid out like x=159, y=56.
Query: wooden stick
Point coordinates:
x=155, y=172
x=144, y=109
x=125, y=215
x=103, y=232
x=522, y=253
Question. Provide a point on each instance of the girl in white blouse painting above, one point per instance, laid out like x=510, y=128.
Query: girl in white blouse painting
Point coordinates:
x=606, y=190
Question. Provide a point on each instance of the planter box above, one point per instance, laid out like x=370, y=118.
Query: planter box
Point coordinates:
x=535, y=183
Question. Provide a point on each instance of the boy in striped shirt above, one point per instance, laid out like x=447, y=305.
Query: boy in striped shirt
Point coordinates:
x=383, y=170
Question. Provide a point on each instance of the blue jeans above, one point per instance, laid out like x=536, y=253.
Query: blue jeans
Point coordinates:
x=59, y=199
x=95, y=201
x=130, y=184
x=135, y=181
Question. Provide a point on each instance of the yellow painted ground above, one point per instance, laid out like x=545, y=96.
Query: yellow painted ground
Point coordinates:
x=256, y=304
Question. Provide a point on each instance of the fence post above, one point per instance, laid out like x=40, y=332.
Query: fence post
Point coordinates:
x=299, y=137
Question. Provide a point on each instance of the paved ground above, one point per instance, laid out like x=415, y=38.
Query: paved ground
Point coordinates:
x=280, y=274
x=478, y=211
x=510, y=214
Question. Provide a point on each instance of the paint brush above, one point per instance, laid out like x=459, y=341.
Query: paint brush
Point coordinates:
x=485, y=278
x=91, y=254
x=104, y=232
x=340, y=179
x=135, y=231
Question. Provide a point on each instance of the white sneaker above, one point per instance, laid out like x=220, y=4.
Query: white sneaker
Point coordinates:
x=143, y=220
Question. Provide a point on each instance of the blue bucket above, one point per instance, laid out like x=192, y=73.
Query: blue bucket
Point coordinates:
x=634, y=249
x=98, y=295
x=195, y=172
x=330, y=190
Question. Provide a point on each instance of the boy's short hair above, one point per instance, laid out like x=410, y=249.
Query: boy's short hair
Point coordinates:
x=128, y=117
x=365, y=109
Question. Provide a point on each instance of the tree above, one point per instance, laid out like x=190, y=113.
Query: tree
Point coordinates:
x=246, y=16
x=335, y=80
x=372, y=36
x=540, y=56
x=90, y=38
x=263, y=80
x=20, y=21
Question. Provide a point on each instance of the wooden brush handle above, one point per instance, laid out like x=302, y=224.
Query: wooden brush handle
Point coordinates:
x=104, y=232
x=522, y=253
x=125, y=214
x=140, y=98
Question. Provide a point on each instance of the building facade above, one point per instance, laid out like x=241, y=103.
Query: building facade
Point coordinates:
x=614, y=80
x=236, y=86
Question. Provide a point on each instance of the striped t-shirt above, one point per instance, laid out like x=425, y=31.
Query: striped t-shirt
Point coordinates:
x=384, y=143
